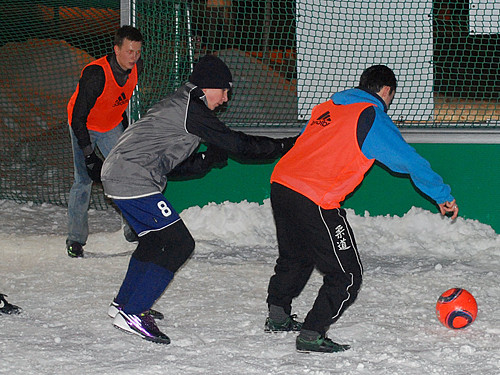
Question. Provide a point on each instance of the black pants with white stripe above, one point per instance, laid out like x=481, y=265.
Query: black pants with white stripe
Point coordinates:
x=309, y=237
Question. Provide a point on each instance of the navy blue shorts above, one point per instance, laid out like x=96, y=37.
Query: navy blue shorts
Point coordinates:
x=151, y=213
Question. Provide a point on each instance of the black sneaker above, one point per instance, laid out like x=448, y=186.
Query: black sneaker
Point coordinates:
x=290, y=324
x=142, y=325
x=8, y=308
x=130, y=234
x=321, y=344
x=114, y=308
x=75, y=250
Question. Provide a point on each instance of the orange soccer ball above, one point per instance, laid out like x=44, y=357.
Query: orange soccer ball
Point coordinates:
x=456, y=308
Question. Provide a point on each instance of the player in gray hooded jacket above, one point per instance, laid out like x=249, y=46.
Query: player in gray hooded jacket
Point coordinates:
x=164, y=143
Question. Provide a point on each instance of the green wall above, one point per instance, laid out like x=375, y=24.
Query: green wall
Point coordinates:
x=472, y=171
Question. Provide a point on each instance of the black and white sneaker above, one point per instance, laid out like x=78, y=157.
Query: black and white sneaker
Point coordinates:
x=142, y=325
x=8, y=308
x=114, y=308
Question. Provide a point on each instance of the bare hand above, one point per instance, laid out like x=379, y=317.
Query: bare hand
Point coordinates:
x=447, y=207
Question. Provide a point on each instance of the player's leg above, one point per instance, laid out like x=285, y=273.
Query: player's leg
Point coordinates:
x=105, y=142
x=164, y=245
x=163, y=253
x=294, y=265
x=78, y=202
x=337, y=258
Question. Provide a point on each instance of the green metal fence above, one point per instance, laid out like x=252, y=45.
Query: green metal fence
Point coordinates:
x=286, y=56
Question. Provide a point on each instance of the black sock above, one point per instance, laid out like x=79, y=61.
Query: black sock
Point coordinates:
x=277, y=314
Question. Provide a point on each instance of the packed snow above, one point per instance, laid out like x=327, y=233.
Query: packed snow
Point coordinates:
x=215, y=307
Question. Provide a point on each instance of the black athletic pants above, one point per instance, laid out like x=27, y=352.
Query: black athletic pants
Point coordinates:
x=309, y=237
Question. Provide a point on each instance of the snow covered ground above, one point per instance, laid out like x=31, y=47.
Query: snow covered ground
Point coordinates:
x=215, y=307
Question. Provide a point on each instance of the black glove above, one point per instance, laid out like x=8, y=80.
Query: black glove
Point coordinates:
x=286, y=143
x=200, y=163
x=94, y=166
x=215, y=156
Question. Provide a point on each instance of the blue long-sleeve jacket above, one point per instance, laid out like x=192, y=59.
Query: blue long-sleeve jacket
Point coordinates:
x=380, y=139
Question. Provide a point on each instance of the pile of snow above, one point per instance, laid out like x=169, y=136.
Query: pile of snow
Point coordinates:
x=215, y=307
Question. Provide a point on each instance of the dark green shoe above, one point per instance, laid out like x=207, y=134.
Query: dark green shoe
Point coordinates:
x=290, y=324
x=321, y=344
x=75, y=250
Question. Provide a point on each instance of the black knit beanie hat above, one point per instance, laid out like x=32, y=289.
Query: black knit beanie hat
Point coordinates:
x=210, y=72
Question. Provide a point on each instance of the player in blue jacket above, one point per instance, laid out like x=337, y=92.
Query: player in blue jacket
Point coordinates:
x=341, y=142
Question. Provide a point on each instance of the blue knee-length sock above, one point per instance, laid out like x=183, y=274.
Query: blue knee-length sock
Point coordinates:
x=135, y=273
x=149, y=289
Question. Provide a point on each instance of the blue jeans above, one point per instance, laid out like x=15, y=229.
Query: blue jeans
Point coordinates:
x=79, y=195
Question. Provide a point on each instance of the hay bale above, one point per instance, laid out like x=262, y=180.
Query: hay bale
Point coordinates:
x=37, y=78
